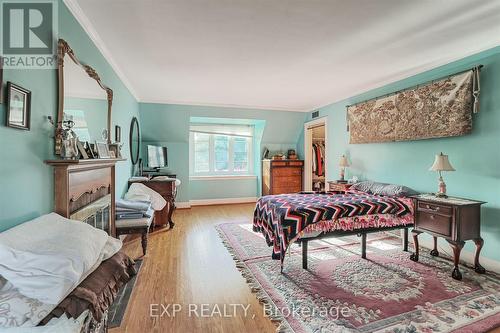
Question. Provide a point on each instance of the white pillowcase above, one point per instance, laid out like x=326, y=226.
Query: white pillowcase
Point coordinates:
x=18, y=310
x=46, y=258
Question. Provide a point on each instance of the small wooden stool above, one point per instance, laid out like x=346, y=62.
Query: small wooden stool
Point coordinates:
x=135, y=226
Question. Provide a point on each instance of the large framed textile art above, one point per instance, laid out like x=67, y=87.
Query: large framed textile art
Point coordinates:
x=441, y=108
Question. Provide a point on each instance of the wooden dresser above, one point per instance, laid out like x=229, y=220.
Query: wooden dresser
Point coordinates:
x=282, y=176
x=168, y=190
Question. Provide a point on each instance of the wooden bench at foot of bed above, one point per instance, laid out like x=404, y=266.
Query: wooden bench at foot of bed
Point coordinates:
x=360, y=232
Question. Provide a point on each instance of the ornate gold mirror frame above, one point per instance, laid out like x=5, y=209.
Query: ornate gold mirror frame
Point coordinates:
x=63, y=50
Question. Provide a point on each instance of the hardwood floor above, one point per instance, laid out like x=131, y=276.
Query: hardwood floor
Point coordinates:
x=190, y=265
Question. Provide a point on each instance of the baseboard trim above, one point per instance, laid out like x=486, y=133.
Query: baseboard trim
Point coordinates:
x=466, y=256
x=182, y=205
x=222, y=201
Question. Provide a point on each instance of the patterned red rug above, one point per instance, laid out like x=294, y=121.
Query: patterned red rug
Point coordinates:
x=340, y=292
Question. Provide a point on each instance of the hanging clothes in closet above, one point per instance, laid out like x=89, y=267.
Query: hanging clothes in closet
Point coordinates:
x=318, y=160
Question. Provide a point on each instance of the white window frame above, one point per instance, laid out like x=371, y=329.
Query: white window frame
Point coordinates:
x=211, y=159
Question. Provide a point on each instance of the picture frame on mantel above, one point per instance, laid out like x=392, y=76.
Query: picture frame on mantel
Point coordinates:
x=18, y=107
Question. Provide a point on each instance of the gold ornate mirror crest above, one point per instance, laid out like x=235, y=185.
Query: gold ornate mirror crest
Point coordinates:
x=63, y=50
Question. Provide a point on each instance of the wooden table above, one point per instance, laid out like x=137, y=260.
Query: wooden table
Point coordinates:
x=334, y=186
x=168, y=190
x=455, y=219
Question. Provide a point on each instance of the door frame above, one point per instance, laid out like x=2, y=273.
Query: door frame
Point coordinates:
x=308, y=153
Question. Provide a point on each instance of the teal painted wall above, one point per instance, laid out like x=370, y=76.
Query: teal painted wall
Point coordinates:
x=27, y=183
x=168, y=125
x=476, y=157
x=217, y=188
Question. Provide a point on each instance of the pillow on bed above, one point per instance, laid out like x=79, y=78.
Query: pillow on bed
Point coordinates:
x=18, y=310
x=384, y=189
x=46, y=258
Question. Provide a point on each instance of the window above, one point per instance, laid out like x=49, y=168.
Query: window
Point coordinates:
x=220, y=150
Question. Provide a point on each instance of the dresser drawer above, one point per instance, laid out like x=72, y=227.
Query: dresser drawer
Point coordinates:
x=278, y=172
x=286, y=189
x=287, y=181
x=434, y=208
x=436, y=223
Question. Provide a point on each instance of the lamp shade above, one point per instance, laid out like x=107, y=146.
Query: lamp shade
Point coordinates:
x=441, y=163
x=344, y=162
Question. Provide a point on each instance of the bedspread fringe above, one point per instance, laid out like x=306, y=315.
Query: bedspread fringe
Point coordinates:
x=282, y=325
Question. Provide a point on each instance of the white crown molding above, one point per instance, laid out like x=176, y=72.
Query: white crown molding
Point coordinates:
x=419, y=70
x=238, y=106
x=80, y=16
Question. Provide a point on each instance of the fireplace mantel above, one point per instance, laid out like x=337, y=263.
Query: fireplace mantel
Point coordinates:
x=79, y=183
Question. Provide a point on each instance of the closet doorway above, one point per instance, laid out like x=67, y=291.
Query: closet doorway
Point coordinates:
x=315, y=161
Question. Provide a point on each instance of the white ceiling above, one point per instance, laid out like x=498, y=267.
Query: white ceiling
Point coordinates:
x=293, y=55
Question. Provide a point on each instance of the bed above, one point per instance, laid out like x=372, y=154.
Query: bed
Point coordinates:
x=287, y=218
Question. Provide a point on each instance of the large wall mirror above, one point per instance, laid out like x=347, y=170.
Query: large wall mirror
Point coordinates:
x=83, y=98
x=135, y=141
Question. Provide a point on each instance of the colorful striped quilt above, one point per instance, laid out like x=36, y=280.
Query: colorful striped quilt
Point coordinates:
x=281, y=218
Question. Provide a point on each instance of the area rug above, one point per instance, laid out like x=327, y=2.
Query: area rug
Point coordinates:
x=119, y=307
x=340, y=292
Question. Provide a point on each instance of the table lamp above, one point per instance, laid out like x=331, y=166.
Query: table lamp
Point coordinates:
x=441, y=163
x=344, y=163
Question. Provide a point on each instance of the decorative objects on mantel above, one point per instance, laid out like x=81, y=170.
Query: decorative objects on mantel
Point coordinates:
x=441, y=163
x=69, y=140
x=18, y=107
x=441, y=108
x=344, y=163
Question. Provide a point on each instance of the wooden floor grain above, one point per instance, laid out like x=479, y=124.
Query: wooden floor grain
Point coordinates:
x=190, y=265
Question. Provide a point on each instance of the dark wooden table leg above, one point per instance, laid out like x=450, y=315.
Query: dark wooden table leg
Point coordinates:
x=415, y=233
x=144, y=242
x=405, y=240
x=363, y=245
x=479, y=245
x=457, y=248
x=304, y=254
x=171, y=208
x=434, y=252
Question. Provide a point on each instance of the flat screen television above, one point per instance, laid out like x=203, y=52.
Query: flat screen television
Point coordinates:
x=157, y=157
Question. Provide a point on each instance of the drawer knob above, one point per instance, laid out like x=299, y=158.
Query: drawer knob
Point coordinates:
x=432, y=208
x=432, y=217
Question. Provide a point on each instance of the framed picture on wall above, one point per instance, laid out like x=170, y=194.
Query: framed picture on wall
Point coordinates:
x=1, y=80
x=18, y=107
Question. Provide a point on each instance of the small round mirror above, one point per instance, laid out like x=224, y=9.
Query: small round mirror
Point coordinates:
x=135, y=141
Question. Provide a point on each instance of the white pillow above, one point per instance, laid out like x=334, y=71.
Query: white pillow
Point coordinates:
x=46, y=258
x=18, y=310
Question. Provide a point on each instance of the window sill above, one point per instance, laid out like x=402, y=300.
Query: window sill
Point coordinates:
x=222, y=177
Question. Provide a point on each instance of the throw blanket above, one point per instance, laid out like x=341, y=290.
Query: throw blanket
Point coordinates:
x=281, y=218
x=98, y=291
